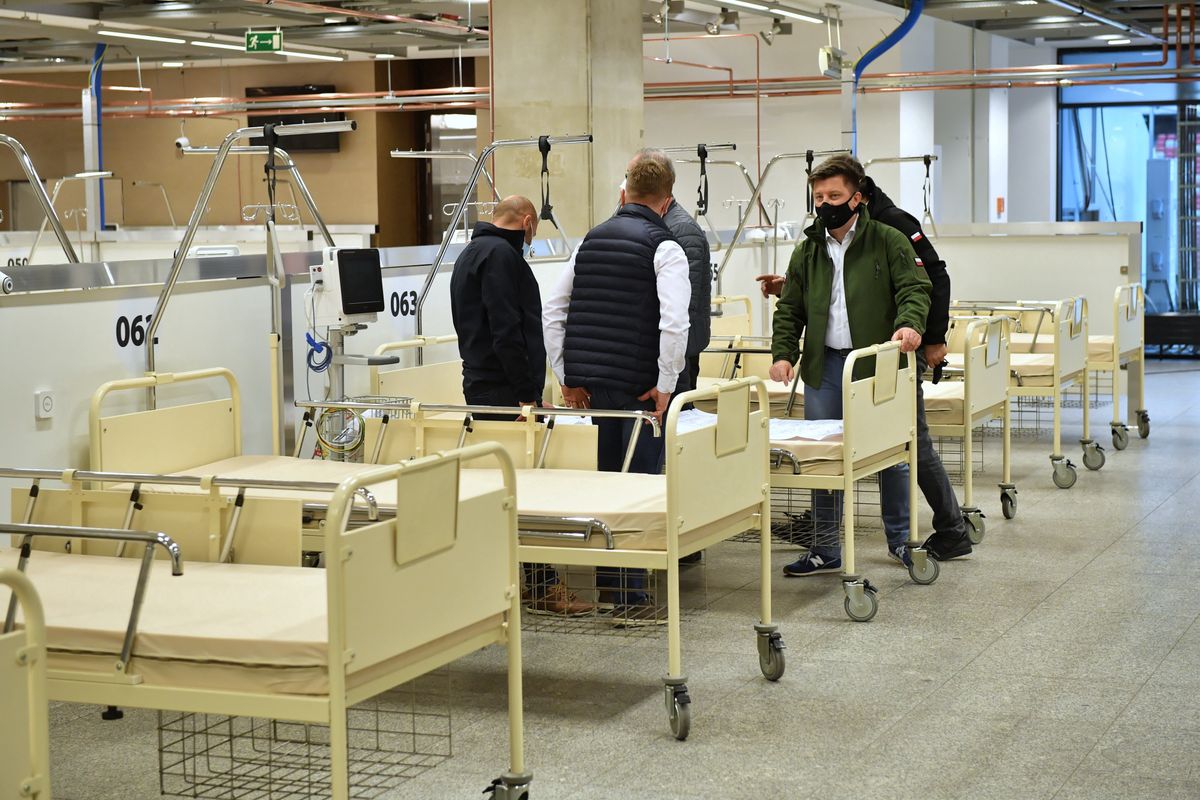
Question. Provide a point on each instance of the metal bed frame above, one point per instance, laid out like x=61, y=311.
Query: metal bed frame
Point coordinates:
x=24, y=736
x=350, y=587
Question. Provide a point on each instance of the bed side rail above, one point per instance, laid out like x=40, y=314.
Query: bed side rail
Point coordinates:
x=733, y=455
x=24, y=737
x=417, y=343
x=151, y=540
x=879, y=410
x=450, y=562
x=200, y=432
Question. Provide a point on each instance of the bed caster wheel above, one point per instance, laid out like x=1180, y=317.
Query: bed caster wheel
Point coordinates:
x=923, y=570
x=1093, y=456
x=1120, y=437
x=770, y=655
x=1143, y=424
x=861, y=603
x=1064, y=474
x=510, y=787
x=111, y=713
x=679, y=710
x=1008, y=503
x=976, y=525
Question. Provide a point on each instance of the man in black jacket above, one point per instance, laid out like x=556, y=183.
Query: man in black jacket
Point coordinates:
x=691, y=238
x=497, y=312
x=950, y=538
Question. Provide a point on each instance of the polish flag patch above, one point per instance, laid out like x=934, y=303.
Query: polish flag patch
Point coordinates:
x=920, y=263
x=916, y=237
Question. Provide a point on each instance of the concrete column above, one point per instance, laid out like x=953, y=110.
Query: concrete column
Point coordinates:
x=567, y=67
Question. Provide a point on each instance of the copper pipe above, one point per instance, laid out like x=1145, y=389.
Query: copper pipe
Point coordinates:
x=727, y=70
x=317, y=8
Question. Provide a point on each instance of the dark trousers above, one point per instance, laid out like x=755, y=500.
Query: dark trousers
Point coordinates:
x=689, y=376
x=931, y=474
x=538, y=577
x=613, y=435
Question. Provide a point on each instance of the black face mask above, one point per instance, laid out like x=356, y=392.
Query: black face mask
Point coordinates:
x=835, y=216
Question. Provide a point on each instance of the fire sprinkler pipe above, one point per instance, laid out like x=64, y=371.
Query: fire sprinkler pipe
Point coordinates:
x=339, y=11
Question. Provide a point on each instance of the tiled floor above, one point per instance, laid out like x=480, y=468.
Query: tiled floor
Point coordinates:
x=1061, y=660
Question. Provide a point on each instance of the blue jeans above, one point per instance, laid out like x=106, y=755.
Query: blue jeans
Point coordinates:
x=825, y=402
x=628, y=585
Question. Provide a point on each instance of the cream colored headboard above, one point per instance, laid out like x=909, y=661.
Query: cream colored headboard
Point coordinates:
x=167, y=439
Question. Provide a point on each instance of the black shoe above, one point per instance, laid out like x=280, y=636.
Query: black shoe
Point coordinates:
x=692, y=558
x=943, y=548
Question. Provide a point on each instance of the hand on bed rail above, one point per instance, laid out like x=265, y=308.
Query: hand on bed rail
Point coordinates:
x=908, y=338
x=661, y=401
x=576, y=397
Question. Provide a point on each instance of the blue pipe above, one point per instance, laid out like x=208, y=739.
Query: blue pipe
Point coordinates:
x=914, y=13
x=97, y=80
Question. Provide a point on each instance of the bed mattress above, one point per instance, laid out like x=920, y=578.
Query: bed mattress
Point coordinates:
x=633, y=506
x=1099, y=347
x=224, y=627
x=777, y=392
x=1033, y=369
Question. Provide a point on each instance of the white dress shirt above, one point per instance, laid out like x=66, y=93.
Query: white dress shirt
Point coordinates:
x=674, y=295
x=837, y=334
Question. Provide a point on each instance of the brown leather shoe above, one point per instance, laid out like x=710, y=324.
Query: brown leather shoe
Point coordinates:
x=560, y=602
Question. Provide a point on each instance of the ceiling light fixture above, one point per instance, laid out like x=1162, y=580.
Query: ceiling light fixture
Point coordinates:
x=1107, y=36
x=743, y=4
x=241, y=48
x=170, y=64
x=145, y=36
x=385, y=56
x=800, y=15
x=1120, y=41
x=317, y=56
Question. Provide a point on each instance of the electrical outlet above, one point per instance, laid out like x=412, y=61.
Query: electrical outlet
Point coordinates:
x=44, y=404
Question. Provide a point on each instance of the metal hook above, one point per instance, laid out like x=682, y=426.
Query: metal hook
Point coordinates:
x=286, y=211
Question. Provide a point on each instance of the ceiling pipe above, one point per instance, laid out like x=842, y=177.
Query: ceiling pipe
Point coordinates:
x=317, y=8
x=1103, y=17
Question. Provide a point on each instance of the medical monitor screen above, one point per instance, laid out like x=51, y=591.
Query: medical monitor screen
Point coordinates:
x=362, y=281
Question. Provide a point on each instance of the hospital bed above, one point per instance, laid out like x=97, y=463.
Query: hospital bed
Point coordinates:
x=569, y=513
x=879, y=430
x=580, y=517
x=1124, y=349
x=1061, y=326
x=733, y=349
x=956, y=407
x=315, y=643
x=439, y=382
x=24, y=732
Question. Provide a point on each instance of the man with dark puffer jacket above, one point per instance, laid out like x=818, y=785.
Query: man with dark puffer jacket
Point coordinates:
x=616, y=328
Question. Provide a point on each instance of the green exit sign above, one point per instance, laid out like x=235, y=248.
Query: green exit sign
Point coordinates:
x=264, y=41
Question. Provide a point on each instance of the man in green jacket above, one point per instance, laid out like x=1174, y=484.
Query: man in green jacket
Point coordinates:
x=851, y=283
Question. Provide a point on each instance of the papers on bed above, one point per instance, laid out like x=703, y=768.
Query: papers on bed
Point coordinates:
x=813, y=430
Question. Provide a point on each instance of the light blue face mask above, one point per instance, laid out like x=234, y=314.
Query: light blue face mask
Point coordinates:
x=527, y=251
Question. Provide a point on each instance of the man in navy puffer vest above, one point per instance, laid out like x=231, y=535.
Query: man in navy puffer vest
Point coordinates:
x=616, y=328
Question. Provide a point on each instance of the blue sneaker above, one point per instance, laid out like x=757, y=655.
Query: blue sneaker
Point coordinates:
x=900, y=555
x=812, y=564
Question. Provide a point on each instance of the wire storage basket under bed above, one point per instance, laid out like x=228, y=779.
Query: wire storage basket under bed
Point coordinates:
x=611, y=617
x=792, y=517
x=950, y=451
x=393, y=738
